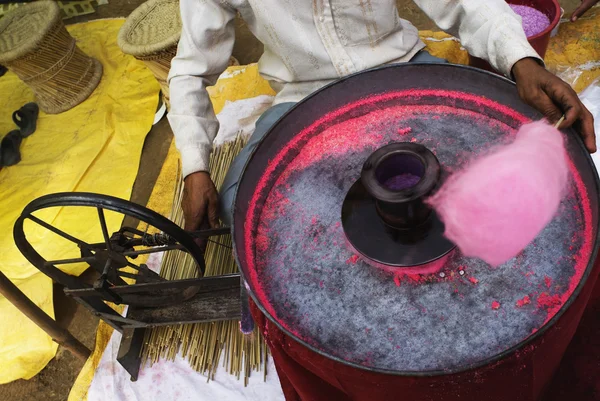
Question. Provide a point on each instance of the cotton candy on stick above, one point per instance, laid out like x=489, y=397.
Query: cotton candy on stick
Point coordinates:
x=497, y=205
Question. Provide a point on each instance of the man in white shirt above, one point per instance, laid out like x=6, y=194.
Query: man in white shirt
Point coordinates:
x=308, y=44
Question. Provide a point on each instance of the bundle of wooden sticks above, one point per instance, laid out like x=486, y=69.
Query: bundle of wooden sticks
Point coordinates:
x=205, y=344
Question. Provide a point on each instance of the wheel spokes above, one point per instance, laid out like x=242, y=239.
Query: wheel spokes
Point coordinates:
x=141, y=232
x=153, y=250
x=70, y=261
x=104, y=228
x=58, y=231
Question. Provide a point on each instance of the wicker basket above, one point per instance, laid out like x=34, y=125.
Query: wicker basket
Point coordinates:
x=35, y=45
x=151, y=33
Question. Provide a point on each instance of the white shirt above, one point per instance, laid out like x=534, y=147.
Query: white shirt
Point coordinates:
x=309, y=43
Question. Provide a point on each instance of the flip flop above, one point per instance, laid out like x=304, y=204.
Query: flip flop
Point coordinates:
x=9, y=148
x=26, y=118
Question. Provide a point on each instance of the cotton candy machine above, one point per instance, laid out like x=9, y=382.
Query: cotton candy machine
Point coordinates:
x=342, y=255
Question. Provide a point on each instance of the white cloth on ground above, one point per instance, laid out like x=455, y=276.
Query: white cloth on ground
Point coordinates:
x=176, y=380
x=231, y=124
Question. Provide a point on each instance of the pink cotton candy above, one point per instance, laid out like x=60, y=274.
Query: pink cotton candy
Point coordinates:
x=496, y=206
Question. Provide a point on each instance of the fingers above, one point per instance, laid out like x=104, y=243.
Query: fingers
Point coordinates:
x=586, y=127
x=583, y=7
x=575, y=112
x=213, y=211
x=193, y=214
x=544, y=103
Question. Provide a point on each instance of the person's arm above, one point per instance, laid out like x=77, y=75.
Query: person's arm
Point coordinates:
x=491, y=30
x=203, y=54
x=582, y=9
x=487, y=29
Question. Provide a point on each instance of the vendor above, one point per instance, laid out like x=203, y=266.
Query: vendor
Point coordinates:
x=308, y=44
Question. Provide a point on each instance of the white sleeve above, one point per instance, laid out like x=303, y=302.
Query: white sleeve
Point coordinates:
x=488, y=29
x=203, y=54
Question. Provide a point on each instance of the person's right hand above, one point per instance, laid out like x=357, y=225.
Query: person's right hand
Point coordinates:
x=585, y=5
x=200, y=201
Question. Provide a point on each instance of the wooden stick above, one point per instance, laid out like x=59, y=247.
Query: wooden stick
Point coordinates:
x=203, y=344
x=41, y=319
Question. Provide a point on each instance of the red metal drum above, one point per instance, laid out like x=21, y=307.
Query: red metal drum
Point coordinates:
x=341, y=328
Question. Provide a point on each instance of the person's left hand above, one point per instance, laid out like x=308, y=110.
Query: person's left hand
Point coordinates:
x=554, y=97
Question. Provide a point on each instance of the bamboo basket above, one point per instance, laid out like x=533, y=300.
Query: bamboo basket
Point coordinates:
x=150, y=34
x=36, y=46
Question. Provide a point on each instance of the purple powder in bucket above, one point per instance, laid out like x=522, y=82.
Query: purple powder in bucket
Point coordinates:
x=401, y=181
x=534, y=21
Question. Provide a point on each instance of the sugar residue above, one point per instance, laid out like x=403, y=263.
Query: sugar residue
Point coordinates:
x=524, y=301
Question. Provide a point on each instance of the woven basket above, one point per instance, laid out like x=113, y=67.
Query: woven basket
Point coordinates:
x=151, y=33
x=36, y=46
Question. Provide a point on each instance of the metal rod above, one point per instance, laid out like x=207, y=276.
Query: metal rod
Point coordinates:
x=205, y=284
x=152, y=250
x=41, y=319
x=58, y=232
x=104, y=228
x=219, y=243
x=128, y=275
x=210, y=232
x=106, y=267
x=68, y=261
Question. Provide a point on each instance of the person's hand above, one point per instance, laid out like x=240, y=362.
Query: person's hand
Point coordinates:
x=200, y=201
x=553, y=97
x=583, y=7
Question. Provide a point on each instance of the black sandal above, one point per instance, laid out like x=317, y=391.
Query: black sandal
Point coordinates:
x=9, y=148
x=26, y=118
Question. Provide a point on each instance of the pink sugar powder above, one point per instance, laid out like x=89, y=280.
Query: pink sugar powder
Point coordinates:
x=548, y=301
x=495, y=305
x=534, y=21
x=524, y=301
x=499, y=204
x=352, y=259
x=404, y=131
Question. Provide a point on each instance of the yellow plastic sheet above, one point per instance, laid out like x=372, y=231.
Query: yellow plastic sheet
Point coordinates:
x=94, y=147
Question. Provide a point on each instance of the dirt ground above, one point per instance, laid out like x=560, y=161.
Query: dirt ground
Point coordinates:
x=55, y=381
